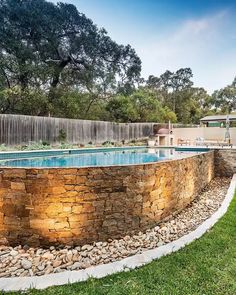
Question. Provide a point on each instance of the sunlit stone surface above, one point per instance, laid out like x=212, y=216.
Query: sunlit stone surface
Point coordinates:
x=78, y=206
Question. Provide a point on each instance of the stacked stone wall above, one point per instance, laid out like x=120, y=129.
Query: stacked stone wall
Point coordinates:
x=76, y=206
x=225, y=162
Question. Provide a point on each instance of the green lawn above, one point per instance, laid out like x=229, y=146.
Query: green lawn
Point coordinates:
x=207, y=266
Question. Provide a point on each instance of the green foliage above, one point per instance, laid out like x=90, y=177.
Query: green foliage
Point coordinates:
x=176, y=91
x=121, y=109
x=3, y=147
x=55, y=61
x=42, y=145
x=108, y=143
x=224, y=100
x=65, y=145
x=45, y=143
x=45, y=45
x=140, y=106
x=62, y=136
x=28, y=102
x=34, y=146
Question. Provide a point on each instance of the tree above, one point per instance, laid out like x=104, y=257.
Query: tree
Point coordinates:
x=224, y=100
x=46, y=45
x=154, y=83
x=29, y=102
x=140, y=106
x=175, y=84
x=173, y=90
x=122, y=109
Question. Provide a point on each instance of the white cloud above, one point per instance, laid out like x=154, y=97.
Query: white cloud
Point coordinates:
x=203, y=44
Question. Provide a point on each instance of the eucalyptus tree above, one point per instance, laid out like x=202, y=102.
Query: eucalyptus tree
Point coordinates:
x=176, y=84
x=224, y=100
x=172, y=89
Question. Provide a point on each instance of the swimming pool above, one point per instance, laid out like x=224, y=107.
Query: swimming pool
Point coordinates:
x=93, y=158
x=44, y=204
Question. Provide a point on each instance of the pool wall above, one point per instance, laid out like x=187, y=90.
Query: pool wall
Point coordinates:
x=225, y=162
x=77, y=206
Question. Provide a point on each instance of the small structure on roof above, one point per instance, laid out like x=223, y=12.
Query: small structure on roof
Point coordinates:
x=217, y=120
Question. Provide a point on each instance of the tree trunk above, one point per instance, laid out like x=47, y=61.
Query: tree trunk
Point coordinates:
x=56, y=78
x=23, y=76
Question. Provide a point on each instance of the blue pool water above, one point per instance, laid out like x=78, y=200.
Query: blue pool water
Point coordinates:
x=104, y=157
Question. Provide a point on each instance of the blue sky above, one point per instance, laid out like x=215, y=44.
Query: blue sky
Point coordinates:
x=169, y=34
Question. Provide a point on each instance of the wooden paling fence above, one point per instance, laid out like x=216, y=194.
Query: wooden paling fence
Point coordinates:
x=20, y=129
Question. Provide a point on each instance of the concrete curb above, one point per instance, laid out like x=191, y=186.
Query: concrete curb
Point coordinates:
x=100, y=271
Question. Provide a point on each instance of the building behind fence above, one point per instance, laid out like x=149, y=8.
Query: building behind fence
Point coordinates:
x=19, y=129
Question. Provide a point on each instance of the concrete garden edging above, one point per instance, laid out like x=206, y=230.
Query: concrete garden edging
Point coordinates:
x=41, y=282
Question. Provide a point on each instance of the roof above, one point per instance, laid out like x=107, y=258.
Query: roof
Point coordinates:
x=218, y=118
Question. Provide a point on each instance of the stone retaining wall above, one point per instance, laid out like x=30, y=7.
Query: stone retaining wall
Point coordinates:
x=77, y=206
x=225, y=162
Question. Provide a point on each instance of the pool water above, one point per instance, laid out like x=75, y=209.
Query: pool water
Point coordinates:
x=100, y=158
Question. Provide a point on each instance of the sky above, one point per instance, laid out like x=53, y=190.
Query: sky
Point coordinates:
x=170, y=34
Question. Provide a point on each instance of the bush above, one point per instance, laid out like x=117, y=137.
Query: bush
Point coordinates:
x=62, y=136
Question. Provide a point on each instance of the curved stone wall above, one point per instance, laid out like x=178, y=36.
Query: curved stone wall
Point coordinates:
x=77, y=206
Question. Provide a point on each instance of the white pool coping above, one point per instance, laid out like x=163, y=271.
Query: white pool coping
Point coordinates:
x=100, y=271
x=94, y=148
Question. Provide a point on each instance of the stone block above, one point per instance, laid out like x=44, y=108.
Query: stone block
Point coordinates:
x=58, y=190
x=14, y=173
x=81, y=179
x=77, y=209
x=70, y=194
x=81, y=188
x=21, y=211
x=64, y=199
x=69, y=187
x=87, y=208
x=18, y=186
x=78, y=217
x=67, y=171
x=64, y=234
x=67, y=209
x=110, y=222
x=61, y=225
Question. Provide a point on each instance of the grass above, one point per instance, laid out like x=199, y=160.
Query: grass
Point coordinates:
x=205, y=267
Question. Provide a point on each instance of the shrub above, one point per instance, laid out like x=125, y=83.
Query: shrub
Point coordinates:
x=62, y=136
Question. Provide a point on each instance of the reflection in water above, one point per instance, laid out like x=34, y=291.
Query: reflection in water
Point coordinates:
x=108, y=158
x=163, y=153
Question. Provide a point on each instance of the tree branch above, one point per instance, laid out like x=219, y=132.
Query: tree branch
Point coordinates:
x=6, y=77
